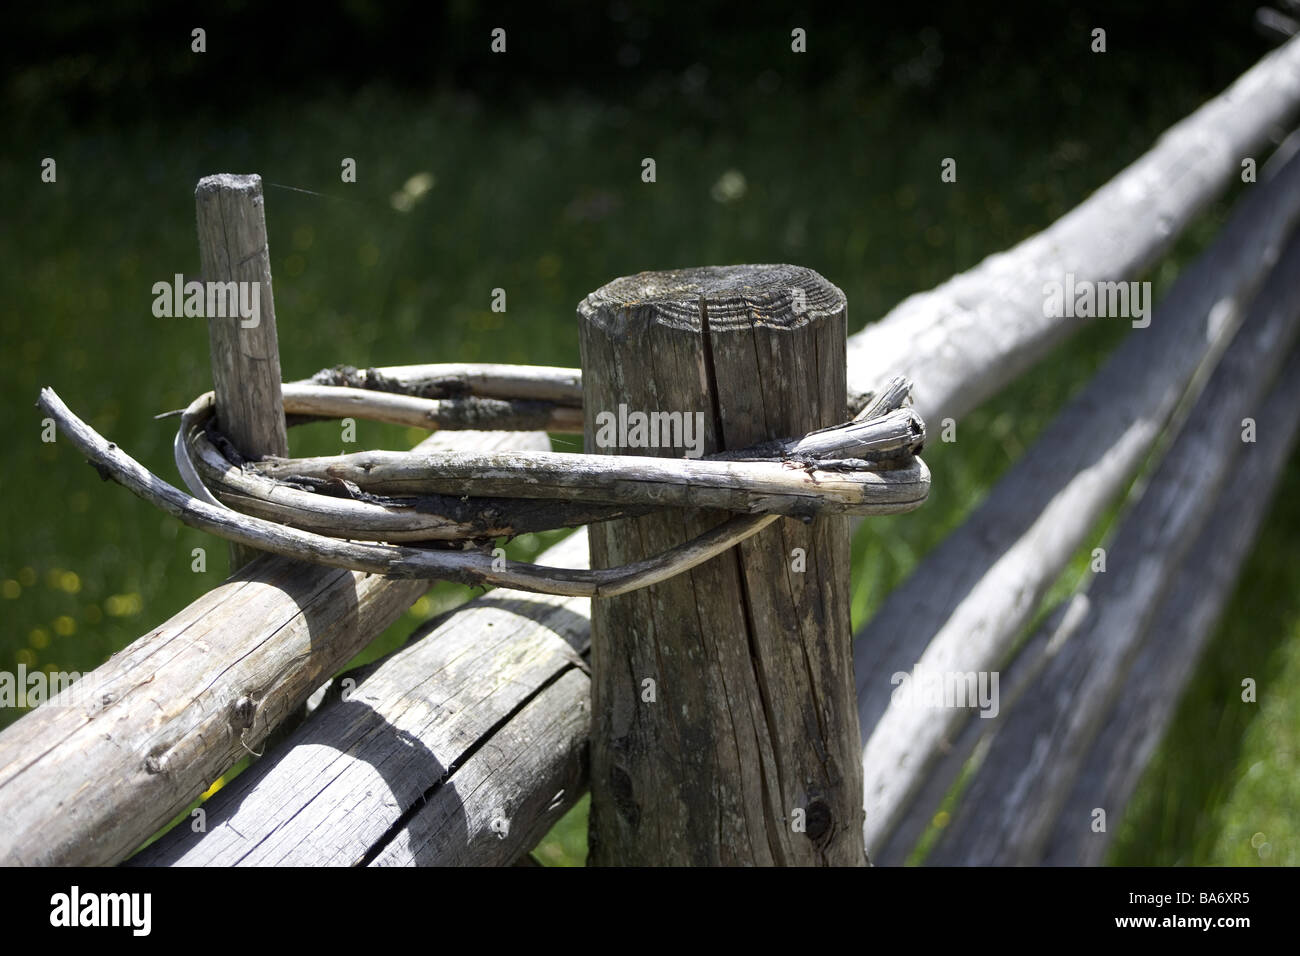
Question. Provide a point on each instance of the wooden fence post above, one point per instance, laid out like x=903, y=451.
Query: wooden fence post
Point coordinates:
x=244, y=350
x=724, y=722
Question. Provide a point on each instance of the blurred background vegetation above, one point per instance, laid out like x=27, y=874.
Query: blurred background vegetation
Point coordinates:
x=522, y=171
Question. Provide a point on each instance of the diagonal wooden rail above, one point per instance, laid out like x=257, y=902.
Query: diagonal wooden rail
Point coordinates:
x=967, y=602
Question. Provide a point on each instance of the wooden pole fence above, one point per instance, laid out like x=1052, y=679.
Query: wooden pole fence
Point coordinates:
x=281, y=636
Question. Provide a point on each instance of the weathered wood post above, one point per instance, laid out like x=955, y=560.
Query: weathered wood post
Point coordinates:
x=724, y=722
x=245, y=352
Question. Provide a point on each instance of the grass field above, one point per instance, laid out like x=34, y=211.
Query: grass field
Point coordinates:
x=545, y=200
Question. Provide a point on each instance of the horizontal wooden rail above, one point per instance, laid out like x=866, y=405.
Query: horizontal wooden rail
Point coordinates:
x=970, y=598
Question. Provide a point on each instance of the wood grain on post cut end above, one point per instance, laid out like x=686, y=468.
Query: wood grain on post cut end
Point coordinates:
x=749, y=753
x=743, y=296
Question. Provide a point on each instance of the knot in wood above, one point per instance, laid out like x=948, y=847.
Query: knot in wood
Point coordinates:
x=241, y=713
x=819, y=822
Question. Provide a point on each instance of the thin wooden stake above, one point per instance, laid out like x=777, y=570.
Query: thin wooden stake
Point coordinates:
x=244, y=349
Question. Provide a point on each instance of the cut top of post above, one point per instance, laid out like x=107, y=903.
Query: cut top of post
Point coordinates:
x=717, y=298
x=225, y=182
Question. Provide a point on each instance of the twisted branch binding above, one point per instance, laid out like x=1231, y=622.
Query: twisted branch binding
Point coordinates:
x=321, y=509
